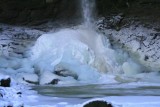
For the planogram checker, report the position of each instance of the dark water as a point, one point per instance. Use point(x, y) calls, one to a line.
point(92, 91)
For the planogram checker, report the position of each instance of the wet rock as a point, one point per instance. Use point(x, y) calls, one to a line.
point(48, 77)
point(54, 81)
point(98, 104)
point(156, 36)
point(1, 95)
point(66, 73)
point(111, 22)
point(9, 106)
point(30, 81)
point(5, 82)
point(146, 57)
point(19, 92)
point(61, 71)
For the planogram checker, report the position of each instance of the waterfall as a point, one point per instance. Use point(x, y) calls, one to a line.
point(81, 52)
point(87, 11)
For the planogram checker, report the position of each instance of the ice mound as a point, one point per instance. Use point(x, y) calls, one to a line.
point(80, 51)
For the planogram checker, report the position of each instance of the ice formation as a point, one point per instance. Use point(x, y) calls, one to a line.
point(83, 52)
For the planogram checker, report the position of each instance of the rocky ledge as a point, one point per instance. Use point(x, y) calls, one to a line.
point(139, 39)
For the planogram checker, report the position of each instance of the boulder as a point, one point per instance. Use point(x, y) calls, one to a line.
point(5, 82)
point(98, 104)
point(66, 73)
point(54, 81)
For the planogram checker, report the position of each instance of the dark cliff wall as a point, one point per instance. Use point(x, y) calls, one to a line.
point(142, 9)
point(27, 11)
point(32, 11)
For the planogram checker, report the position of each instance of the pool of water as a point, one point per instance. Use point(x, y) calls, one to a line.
point(98, 90)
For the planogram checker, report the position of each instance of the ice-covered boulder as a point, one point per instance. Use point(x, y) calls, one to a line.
point(82, 52)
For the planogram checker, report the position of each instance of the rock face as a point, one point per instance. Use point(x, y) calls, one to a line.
point(24, 12)
point(134, 26)
point(140, 39)
point(131, 8)
point(39, 11)
point(98, 104)
point(16, 40)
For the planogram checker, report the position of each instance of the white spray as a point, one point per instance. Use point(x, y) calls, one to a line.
point(88, 6)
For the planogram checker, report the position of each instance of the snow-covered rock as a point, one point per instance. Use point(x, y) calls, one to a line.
point(47, 78)
point(15, 41)
point(140, 41)
point(26, 78)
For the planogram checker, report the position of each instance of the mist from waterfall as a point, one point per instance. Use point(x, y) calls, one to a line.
point(81, 51)
point(88, 7)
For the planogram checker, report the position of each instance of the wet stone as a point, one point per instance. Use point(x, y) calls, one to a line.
point(5, 82)
point(146, 58)
point(98, 104)
point(19, 92)
point(54, 81)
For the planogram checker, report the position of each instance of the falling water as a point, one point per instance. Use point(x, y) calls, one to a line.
point(87, 11)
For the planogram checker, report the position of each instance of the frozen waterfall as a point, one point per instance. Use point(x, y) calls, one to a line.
point(81, 52)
